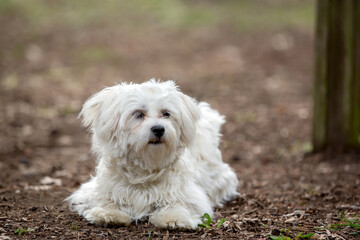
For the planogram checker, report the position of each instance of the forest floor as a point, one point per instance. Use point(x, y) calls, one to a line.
point(260, 80)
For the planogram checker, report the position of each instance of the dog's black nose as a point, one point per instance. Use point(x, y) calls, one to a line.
point(158, 130)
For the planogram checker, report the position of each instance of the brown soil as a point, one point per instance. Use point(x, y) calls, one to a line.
point(261, 82)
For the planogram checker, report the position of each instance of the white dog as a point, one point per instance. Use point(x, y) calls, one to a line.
point(157, 157)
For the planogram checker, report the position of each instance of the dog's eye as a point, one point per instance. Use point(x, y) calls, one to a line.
point(139, 115)
point(166, 114)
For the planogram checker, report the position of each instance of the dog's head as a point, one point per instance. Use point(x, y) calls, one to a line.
point(148, 124)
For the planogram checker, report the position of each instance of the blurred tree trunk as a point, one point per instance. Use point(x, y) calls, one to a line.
point(336, 124)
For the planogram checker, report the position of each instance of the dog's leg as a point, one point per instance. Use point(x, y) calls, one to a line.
point(109, 214)
point(175, 216)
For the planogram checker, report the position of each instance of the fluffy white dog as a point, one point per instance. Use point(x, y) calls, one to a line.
point(157, 157)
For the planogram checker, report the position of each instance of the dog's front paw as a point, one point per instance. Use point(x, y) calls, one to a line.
point(105, 216)
point(175, 217)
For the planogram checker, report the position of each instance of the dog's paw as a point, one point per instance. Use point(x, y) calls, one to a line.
point(105, 216)
point(175, 217)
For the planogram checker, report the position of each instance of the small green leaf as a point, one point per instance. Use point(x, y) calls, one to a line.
point(206, 221)
point(305, 236)
point(20, 231)
point(281, 237)
point(202, 225)
point(274, 237)
point(220, 222)
point(354, 225)
point(206, 218)
point(149, 237)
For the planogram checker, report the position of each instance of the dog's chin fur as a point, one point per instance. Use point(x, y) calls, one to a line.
point(172, 180)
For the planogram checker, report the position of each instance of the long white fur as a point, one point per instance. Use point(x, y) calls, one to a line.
point(173, 183)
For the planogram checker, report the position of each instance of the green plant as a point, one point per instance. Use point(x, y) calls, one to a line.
point(74, 227)
point(353, 224)
point(281, 237)
point(306, 236)
point(19, 231)
point(207, 221)
point(220, 222)
point(149, 236)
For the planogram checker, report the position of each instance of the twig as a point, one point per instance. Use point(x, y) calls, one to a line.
point(5, 205)
point(249, 212)
point(231, 211)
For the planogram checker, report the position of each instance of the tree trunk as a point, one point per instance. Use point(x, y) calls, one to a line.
point(336, 124)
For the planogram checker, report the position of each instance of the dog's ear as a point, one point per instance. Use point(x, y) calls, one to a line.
point(190, 114)
point(93, 107)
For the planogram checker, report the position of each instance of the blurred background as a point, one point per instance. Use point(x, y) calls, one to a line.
point(251, 59)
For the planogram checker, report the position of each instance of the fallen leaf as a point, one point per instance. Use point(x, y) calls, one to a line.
point(50, 181)
point(292, 219)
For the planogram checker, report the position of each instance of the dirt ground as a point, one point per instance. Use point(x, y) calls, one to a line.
point(261, 82)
